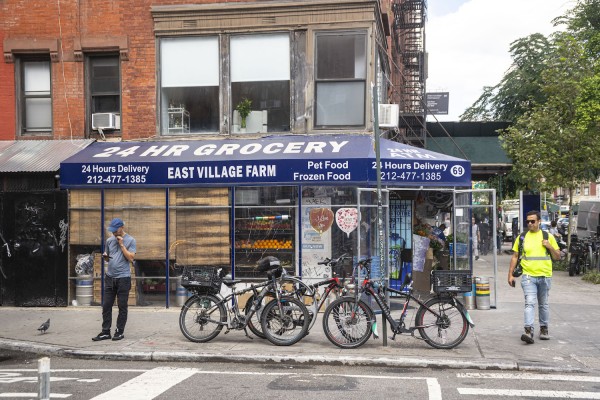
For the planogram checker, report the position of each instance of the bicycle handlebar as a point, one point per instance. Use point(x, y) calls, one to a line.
point(333, 262)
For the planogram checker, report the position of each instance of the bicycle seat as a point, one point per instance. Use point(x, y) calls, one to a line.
point(231, 282)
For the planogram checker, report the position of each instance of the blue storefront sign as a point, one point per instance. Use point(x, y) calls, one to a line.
point(273, 160)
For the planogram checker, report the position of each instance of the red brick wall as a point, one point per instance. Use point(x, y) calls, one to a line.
point(7, 96)
point(80, 19)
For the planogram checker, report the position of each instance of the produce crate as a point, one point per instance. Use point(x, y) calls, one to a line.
point(451, 281)
point(155, 288)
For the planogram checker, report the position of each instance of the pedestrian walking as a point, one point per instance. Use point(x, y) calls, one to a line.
point(538, 251)
point(485, 236)
point(119, 253)
point(500, 230)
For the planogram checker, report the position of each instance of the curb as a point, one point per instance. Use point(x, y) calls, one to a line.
point(178, 356)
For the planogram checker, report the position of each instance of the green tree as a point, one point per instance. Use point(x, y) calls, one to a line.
point(551, 94)
point(520, 87)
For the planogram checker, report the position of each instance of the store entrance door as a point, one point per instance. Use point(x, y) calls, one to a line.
point(475, 233)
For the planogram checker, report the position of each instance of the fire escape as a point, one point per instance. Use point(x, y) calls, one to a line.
point(409, 80)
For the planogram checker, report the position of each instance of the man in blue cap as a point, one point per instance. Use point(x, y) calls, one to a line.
point(119, 253)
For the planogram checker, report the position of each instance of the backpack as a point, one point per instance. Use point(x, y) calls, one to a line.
point(522, 239)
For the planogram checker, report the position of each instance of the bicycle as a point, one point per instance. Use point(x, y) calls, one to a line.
point(442, 321)
point(581, 252)
point(284, 321)
point(306, 293)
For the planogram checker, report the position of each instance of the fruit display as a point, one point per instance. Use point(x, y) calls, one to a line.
point(262, 244)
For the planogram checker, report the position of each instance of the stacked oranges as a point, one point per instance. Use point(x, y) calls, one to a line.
point(272, 244)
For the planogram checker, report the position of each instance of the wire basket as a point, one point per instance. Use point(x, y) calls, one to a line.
point(205, 279)
point(451, 281)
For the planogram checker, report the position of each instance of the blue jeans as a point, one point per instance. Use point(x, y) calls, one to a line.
point(119, 288)
point(536, 289)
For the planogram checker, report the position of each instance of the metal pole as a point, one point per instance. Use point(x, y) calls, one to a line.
point(44, 378)
point(380, 225)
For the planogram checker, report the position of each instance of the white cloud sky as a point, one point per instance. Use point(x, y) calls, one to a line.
point(468, 43)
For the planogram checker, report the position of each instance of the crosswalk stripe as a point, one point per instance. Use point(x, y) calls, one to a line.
point(528, 376)
point(33, 395)
point(149, 384)
point(547, 394)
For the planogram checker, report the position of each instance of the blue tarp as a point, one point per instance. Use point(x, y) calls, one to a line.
point(272, 160)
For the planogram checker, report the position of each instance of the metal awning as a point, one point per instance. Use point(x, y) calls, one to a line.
point(37, 155)
point(273, 160)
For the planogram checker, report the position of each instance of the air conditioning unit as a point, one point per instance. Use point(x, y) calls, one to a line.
point(389, 115)
point(106, 121)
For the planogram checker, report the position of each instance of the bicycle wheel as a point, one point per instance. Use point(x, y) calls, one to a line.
point(348, 324)
point(442, 324)
point(202, 317)
point(287, 328)
point(254, 322)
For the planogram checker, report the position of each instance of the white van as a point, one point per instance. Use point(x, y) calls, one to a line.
point(587, 217)
point(508, 219)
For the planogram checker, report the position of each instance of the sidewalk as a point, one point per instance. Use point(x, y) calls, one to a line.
point(494, 343)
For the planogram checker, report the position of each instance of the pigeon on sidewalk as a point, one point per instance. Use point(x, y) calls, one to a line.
point(44, 327)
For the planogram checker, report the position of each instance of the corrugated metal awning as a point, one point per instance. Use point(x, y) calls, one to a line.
point(37, 155)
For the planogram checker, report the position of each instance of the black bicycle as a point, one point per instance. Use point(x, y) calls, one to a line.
point(442, 321)
point(284, 320)
point(308, 294)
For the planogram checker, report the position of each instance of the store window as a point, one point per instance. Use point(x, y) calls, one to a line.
point(265, 225)
point(340, 79)
point(34, 96)
point(104, 90)
point(189, 85)
point(260, 72)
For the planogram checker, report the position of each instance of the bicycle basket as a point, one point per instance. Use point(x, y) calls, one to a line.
point(202, 278)
point(451, 281)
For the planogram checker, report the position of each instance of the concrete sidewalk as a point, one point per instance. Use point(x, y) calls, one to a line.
point(494, 343)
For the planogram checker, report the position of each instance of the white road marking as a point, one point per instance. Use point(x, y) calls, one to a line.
point(526, 376)
point(33, 395)
point(149, 384)
point(172, 376)
point(547, 394)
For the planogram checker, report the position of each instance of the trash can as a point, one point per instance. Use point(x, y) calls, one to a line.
point(469, 299)
point(181, 293)
point(84, 290)
point(482, 292)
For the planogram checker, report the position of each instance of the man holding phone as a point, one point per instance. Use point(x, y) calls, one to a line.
point(119, 253)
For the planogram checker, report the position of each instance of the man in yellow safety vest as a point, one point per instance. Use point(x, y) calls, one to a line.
point(538, 251)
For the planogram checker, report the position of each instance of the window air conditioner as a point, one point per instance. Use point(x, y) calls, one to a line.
point(389, 115)
point(106, 121)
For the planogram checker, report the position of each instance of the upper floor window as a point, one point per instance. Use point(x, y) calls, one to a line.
point(340, 79)
point(194, 89)
point(260, 72)
point(189, 95)
point(104, 88)
point(104, 85)
point(34, 96)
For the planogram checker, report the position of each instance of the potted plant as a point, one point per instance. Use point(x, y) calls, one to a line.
point(244, 108)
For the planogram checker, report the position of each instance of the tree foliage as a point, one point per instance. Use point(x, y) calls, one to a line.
point(551, 94)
